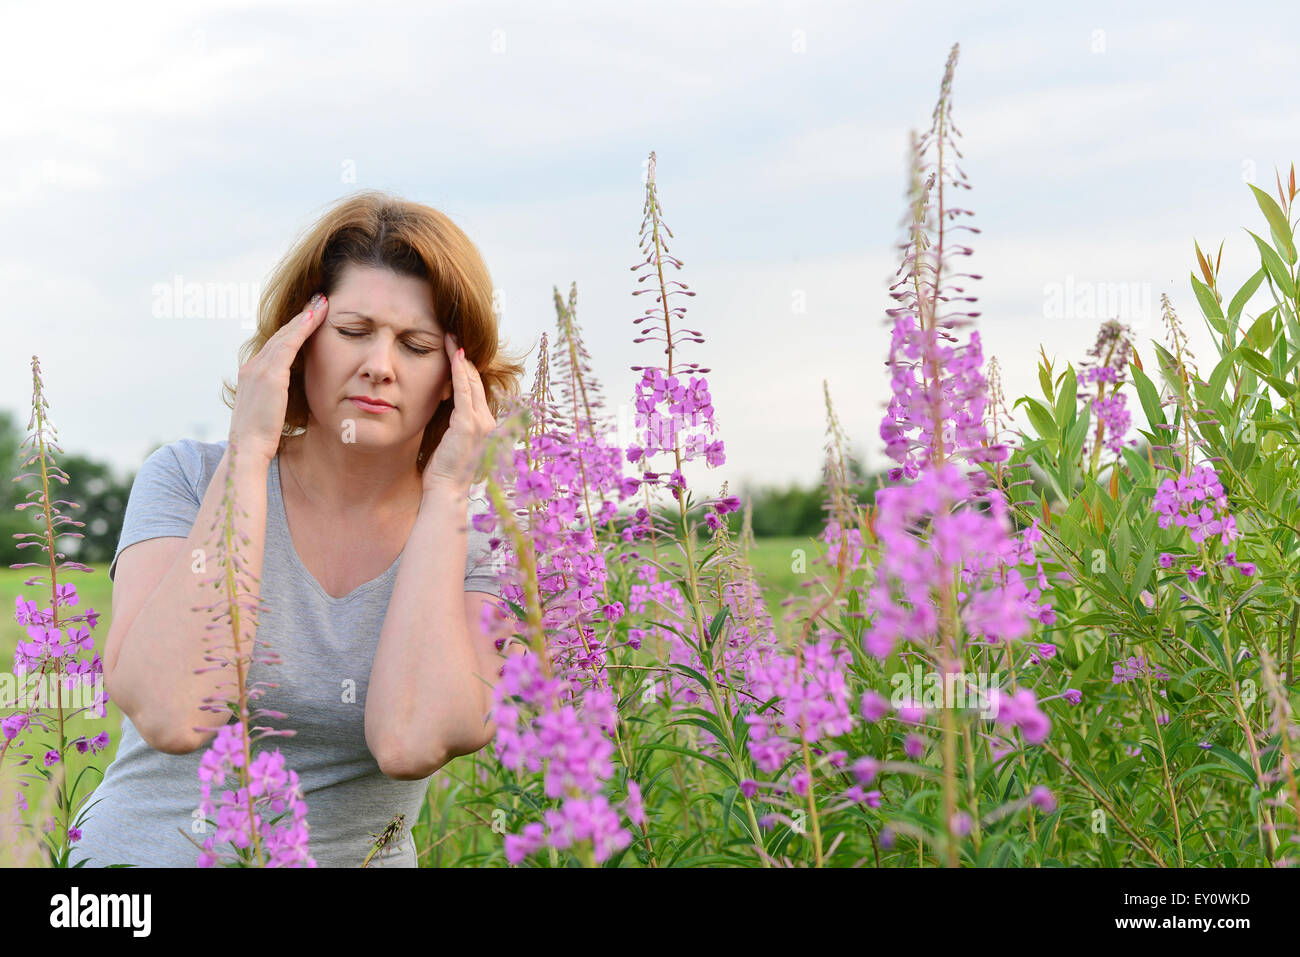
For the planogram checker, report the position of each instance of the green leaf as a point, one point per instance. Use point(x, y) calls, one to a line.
point(1256, 361)
point(1209, 305)
point(1089, 666)
point(1219, 377)
point(1277, 270)
point(1245, 771)
point(1261, 334)
point(1045, 380)
point(715, 626)
point(1067, 400)
point(1040, 418)
point(1143, 573)
point(1148, 395)
point(1277, 223)
point(695, 754)
point(1139, 466)
point(1078, 431)
point(1244, 293)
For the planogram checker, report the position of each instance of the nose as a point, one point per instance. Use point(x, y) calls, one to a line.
point(378, 366)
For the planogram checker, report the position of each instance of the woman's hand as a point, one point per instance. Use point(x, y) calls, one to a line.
point(457, 455)
point(262, 395)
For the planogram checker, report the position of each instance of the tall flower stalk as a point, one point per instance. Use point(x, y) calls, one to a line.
point(252, 817)
point(54, 654)
point(934, 544)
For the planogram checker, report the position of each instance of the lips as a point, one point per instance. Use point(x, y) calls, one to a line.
point(372, 401)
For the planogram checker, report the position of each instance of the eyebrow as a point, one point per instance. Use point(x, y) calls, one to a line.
point(372, 321)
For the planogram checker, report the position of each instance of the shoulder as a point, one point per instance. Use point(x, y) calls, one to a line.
point(185, 463)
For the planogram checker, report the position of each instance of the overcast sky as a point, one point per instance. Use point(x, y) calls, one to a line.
point(150, 143)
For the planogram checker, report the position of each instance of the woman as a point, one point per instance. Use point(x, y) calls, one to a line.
point(353, 517)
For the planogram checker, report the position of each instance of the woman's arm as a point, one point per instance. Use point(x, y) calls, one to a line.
point(149, 668)
point(432, 678)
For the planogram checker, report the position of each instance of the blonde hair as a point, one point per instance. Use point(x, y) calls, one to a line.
point(374, 228)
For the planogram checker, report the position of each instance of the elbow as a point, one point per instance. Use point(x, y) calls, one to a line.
point(164, 733)
point(171, 736)
point(402, 764)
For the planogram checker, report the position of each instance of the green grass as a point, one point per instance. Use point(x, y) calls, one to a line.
point(776, 562)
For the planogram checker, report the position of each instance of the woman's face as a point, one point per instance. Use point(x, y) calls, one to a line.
point(380, 338)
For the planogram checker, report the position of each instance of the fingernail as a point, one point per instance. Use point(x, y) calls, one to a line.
point(316, 302)
point(461, 353)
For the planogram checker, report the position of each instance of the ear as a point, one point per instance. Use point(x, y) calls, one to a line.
point(446, 392)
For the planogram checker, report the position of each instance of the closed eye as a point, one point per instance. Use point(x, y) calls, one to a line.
point(356, 335)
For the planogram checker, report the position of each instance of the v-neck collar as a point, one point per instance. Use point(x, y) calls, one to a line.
point(277, 501)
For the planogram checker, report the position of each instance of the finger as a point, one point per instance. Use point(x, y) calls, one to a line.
point(460, 382)
point(477, 394)
point(290, 337)
point(463, 369)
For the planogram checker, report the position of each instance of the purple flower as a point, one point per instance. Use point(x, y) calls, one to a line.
point(914, 746)
point(51, 758)
point(272, 791)
point(1136, 667)
point(12, 724)
point(874, 706)
point(1186, 501)
point(813, 698)
point(1041, 797)
point(519, 846)
point(1165, 560)
point(633, 807)
point(864, 770)
point(1021, 710)
point(1072, 695)
point(729, 504)
point(918, 562)
point(909, 712)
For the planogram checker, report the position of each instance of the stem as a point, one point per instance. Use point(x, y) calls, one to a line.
point(1164, 762)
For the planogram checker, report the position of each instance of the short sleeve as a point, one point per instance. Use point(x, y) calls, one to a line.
point(482, 562)
point(164, 500)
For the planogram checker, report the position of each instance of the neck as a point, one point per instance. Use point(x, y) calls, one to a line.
point(341, 478)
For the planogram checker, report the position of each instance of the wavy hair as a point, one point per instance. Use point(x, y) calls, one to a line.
point(374, 228)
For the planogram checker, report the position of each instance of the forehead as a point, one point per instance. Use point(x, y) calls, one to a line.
point(382, 297)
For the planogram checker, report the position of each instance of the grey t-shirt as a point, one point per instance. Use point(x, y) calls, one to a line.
point(148, 800)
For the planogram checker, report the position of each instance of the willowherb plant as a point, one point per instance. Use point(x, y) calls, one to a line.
point(555, 707)
point(251, 819)
point(55, 680)
point(1107, 368)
